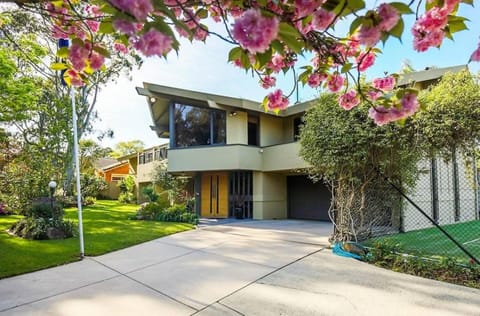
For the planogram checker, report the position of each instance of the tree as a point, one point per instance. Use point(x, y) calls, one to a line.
point(352, 155)
point(127, 147)
point(347, 151)
point(89, 152)
point(27, 37)
point(267, 37)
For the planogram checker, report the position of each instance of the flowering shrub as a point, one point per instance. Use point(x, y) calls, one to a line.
point(267, 36)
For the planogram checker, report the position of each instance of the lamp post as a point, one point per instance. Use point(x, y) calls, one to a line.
point(52, 185)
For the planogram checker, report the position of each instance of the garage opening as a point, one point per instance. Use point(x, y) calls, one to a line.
point(307, 200)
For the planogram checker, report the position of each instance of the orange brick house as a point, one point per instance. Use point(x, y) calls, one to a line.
point(112, 171)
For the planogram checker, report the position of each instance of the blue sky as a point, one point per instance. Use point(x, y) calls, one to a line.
point(204, 67)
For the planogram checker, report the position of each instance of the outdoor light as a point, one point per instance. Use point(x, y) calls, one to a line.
point(233, 113)
point(52, 185)
point(152, 99)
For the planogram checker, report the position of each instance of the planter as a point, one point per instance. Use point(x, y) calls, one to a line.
point(238, 213)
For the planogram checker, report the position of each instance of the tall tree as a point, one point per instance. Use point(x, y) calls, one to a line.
point(127, 148)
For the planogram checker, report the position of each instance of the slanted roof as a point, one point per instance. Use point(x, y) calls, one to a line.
point(428, 74)
point(101, 163)
point(160, 97)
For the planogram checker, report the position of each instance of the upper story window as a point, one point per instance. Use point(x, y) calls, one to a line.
point(297, 125)
point(148, 157)
point(196, 126)
point(141, 158)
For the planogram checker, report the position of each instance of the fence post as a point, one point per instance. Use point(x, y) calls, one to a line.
point(434, 189)
point(456, 192)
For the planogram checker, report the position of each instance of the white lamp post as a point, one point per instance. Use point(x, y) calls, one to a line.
point(52, 185)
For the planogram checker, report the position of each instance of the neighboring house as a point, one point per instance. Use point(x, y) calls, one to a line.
point(238, 156)
point(112, 171)
point(143, 165)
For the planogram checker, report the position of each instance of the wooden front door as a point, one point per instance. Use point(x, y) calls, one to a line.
point(214, 195)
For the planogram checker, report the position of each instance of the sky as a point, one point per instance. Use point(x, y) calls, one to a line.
point(203, 67)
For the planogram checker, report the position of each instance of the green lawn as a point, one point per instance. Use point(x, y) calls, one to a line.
point(106, 228)
point(431, 241)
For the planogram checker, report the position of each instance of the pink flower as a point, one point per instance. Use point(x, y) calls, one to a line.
point(476, 54)
point(153, 43)
point(119, 47)
point(349, 100)
point(315, 79)
point(380, 115)
point(365, 60)
point(77, 56)
point(138, 8)
point(410, 104)
point(384, 84)
point(373, 95)
point(277, 101)
point(255, 32)
point(322, 19)
point(335, 82)
point(424, 40)
point(389, 17)
point(93, 25)
point(305, 7)
point(268, 82)
point(369, 35)
point(75, 79)
point(96, 61)
point(277, 63)
point(126, 27)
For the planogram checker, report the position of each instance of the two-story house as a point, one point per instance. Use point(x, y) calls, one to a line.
point(237, 155)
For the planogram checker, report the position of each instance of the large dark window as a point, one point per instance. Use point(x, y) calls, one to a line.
point(297, 125)
point(196, 126)
point(253, 130)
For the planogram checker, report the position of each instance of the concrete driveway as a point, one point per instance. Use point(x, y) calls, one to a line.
point(239, 268)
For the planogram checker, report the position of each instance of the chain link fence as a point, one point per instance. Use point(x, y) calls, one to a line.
point(438, 217)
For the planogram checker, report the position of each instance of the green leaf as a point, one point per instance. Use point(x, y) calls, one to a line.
point(346, 68)
point(106, 27)
point(264, 58)
point(235, 53)
point(277, 47)
point(245, 60)
point(355, 5)
point(470, 2)
point(457, 26)
point(102, 51)
point(397, 30)
point(356, 24)
point(202, 13)
point(290, 36)
point(62, 52)
point(303, 77)
point(401, 7)
point(58, 66)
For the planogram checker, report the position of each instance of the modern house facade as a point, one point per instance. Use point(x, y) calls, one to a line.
point(242, 158)
point(238, 156)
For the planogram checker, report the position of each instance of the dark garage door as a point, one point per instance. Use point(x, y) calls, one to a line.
point(307, 200)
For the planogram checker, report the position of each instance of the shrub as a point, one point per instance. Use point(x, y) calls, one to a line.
point(45, 208)
point(3, 209)
point(150, 194)
point(92, 185)
point(39, 228)
point(126, 197)
point(89, 200)
point(161, 211)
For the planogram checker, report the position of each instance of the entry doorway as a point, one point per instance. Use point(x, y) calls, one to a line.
point(214, 195)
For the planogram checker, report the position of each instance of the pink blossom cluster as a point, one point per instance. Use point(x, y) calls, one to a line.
point(153, 43)
point(349, 100)
point(140, 9)
point(81, 56)
point(365, 60)
point(370, 34)
point(335, 82)
point(268, 82)
point(255, 32)
point(384, 84)
point(408, 106)
point(476, 54)
point(277, 101)
point(429, 30)
point(315, 79)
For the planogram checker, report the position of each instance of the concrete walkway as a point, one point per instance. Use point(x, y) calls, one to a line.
point(238, 268)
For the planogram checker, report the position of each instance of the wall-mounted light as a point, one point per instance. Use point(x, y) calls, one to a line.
point(233, 113)
point(152, 99)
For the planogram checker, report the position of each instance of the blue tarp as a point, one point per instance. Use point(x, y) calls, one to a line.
point(338, 250)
